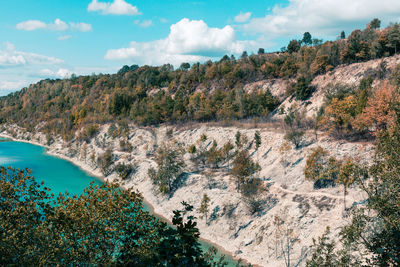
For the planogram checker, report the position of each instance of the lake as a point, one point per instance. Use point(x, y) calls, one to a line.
point(58, 174)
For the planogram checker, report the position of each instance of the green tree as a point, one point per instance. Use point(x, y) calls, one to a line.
point(342, 35)
point(184, 66)
point(243, 168)
point(307, 39)
point(293, 46)
point(214, 155)
point(105, 161)
point(104, 226)
point(226, 152)
point(192, 149)
point(204, 206)
point(257, 140)
point(303, 88)
point(238, 138)
point(394, 38)
point(170, 166)
point(375, 24)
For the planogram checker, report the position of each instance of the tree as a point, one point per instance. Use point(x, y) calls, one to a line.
point(184, 66)
point(192, 149)
point(303, 88)
point(257, 140)
point(375, 24)
point(293, 46)
point(261, 51)
point(238, 138)
point(374, 231)
point(307, 39)
point(346, 177)
point(124, 171)
point(104, 226)
point(295, 136)
point(293, 122)
point(394, 38)
point(204, 206)
point(226, 152)
point(325, 254)
point(285, 239)
point(243, 168)
point(342, 35)
point(105, 161)
point(378, 113)
point(214, 156)
point(170, 165)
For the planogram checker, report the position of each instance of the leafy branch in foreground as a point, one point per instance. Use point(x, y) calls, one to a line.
point(104, 226)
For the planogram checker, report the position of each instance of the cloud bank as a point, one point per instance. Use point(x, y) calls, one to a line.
point(322, 17)
point(188, 40)
point(57, 25)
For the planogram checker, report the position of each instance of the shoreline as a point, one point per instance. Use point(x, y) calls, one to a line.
point(87, 169)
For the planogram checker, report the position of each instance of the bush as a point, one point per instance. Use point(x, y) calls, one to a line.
point(303, 88)
point(192, 149)
point(124, 171)
point(105, 161)
point(295, 136)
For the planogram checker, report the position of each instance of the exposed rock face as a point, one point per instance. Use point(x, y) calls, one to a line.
point(230, 224)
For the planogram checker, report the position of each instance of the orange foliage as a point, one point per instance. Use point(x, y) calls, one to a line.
point(339, 115)
point(378, 114)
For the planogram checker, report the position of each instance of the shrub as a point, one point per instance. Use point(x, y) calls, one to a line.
point(303, 88)
point(295, 136)
point(89, 132)
point(105, 161)
point(124, 171)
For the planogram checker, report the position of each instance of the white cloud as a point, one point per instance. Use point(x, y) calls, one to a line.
point(57, 73)
point(57, 25)
point(322, 17)
point(64, 37)
point(9, 86)
point(163, 20)
point(31, 25)
point(82, 27)
point(243, 17)
point(11, 57)
point(19, 69)
point(118, 7)
point(144, 24)
point(188, 40)
point(64, 73)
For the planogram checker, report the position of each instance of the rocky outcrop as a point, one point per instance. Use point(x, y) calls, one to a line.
point(254, 237)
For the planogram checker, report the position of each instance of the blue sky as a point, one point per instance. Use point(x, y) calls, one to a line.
point(54, 38)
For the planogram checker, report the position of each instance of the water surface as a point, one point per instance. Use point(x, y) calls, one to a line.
point(58, 174)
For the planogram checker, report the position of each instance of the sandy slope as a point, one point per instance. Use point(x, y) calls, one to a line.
point(231, 226)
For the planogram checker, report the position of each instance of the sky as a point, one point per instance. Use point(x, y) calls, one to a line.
point(42, 39)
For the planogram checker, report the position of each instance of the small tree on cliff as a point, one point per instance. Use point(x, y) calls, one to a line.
point(170, 165)
point(243, 168)
point(204, 206)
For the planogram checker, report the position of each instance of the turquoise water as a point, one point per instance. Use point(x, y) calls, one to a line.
point(58, 174)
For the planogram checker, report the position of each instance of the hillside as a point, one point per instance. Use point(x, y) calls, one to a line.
point(226, 90)
point(334, 97)
point(232, 225)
